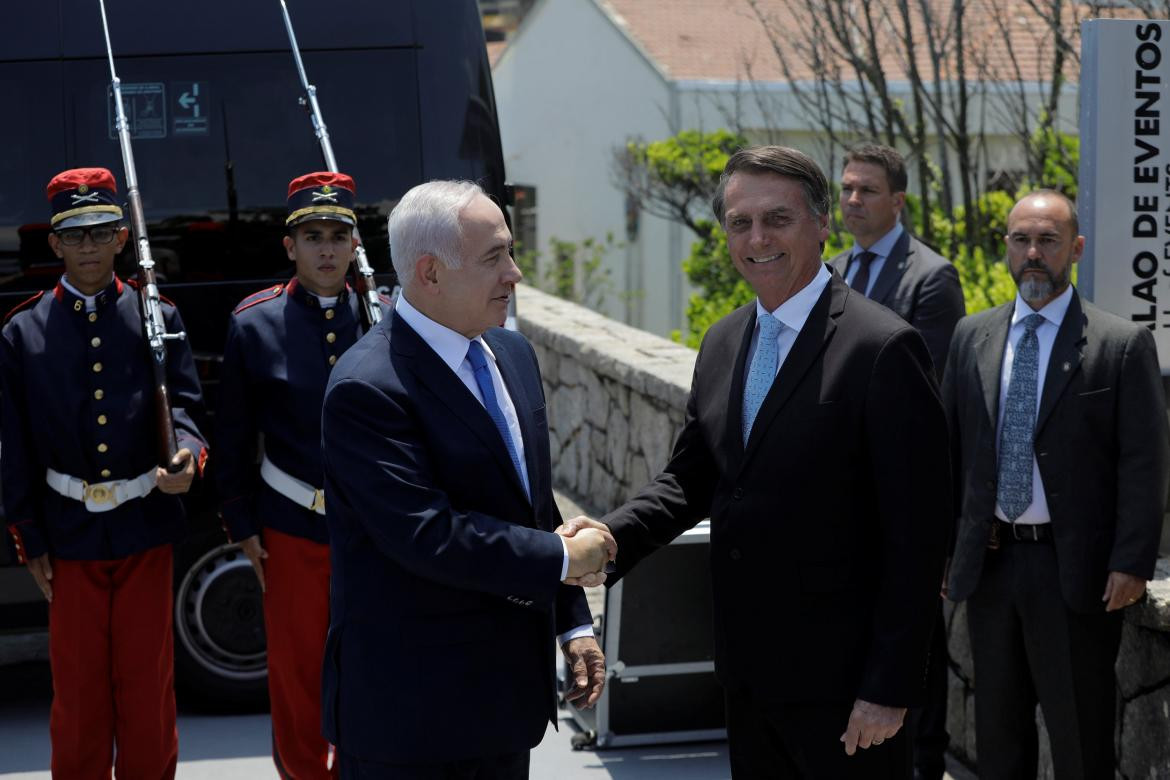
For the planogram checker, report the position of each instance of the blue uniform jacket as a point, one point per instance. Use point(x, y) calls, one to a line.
point(78, 397)
point(281, 346)
point(445, 592)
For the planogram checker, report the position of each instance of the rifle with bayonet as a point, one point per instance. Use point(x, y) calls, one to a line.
point(367, 288)
point(153, 324)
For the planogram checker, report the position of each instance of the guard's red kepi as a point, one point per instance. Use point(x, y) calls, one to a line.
point(321, 195)
point(83, 196)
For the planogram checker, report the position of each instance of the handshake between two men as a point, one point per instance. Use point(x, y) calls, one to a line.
point(591, 549)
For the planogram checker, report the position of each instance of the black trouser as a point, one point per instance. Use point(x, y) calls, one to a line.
point(803, 742)
point(929, 722)
point(509, 766)
point(1029, 647)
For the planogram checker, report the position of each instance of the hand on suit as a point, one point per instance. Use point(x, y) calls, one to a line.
point(870, 725)
point(252, 548)
point(1122, 590)
point(42, 571)
point(586, 560)
point(587, 663)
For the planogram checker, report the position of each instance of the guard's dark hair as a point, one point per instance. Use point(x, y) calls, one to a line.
point(886, 158)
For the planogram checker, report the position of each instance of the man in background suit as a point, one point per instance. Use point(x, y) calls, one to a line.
point(447, 581)
point(1061, 455)
point(810, 409)
point(888, 265)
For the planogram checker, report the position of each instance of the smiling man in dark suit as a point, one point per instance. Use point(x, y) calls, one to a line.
point(815, 440)
point(888, 265)
point(447, 581)
point(1062, 456)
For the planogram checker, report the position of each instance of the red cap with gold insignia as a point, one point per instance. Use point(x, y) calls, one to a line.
point(83, 196)
point(321, 195)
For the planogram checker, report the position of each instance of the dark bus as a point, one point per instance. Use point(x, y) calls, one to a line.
point(211, 92)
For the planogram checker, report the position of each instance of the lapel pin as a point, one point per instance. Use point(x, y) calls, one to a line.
point(1067, 365)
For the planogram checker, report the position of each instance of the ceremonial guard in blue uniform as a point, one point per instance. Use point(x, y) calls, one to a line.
point(282, 343)
point(90, 511)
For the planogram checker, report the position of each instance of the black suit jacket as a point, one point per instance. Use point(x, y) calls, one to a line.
point(445, 590)
point(1101, 443)
point(828, 529)
point(920, 286)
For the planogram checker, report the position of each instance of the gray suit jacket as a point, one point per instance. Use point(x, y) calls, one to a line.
point(1101, 441)
point(920, 286)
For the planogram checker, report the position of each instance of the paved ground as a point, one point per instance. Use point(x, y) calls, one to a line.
point(236, 747)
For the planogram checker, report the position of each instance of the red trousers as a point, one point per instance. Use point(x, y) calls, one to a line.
point(296, 619)
point(111, 652)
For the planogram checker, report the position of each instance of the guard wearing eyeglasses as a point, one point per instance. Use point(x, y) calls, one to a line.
point(282, 343)
point(89, 509)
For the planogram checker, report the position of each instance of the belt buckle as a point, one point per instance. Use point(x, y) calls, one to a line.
point(1035, 535)
point(98, 494)
point(318, 504)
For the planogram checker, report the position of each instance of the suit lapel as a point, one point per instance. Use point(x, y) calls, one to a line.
point(989, 358)
point(810, 342)
point(1067, 352)
point(431, 371)
point(893, 269)
point(735, 399)
point(510, 372)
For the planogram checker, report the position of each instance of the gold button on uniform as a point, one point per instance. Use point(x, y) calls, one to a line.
point(101, 419)
point(329, 314)
point(95, 342)
point(332, 359)
point(93, 316)
point(102, 447)
point(99, 394)
point(106, 473)
point(97, 368)
point(77, 306)
point(331, 337)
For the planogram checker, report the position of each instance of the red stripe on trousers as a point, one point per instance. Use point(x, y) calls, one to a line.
point(111, 652)
point(296, 619)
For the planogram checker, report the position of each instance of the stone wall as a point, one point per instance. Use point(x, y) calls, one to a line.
point(616, 397)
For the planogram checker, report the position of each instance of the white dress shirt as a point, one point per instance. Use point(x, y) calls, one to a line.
point(881, 248)
point(793, 313)
point(1053, 314)
point(451, 347)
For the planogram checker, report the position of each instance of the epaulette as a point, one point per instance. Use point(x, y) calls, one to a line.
point(267, 294)
point(25, 304)
point(134, 285)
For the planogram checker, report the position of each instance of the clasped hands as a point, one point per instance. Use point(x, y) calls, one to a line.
point(591, 546)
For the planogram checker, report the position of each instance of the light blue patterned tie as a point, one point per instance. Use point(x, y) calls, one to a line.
point(762, 372)
point(483, 378)
point(1014, 493)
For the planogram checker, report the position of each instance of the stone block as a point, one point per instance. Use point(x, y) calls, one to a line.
point(1145, 736)
point(617, 441)
point(1144, 660)
point(639, 472)
point(596, 400)
point(565, 466)
point(566, 410)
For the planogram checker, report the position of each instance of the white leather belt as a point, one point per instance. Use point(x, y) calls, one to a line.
point(101, 496)
point(301, 493)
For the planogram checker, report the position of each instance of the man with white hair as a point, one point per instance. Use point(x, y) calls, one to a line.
point(448, 583)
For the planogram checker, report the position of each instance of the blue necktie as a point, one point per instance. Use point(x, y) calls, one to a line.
point(483, 378)
point(1014, 492)
point(762, 372)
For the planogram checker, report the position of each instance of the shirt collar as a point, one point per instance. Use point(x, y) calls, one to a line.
point(794, 311)
point(1053, 311)
point(449, 345)
point(112, 290)
point(884, 245)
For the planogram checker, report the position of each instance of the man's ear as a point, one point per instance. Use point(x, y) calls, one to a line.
point(426, 273)
point(290, 248)
point(55, 245)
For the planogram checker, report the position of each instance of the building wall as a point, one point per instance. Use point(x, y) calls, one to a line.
point(570, 88)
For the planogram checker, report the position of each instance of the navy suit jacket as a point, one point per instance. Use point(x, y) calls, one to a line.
point(446, 594)
point(920, 286)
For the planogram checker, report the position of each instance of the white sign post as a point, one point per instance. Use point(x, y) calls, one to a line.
point(1123, 199)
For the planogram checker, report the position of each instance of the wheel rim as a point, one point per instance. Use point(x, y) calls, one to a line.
point(219, 615)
